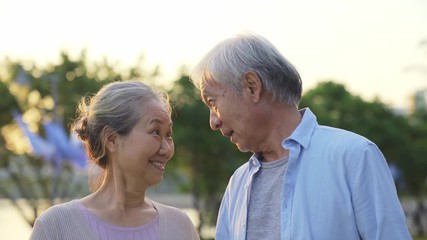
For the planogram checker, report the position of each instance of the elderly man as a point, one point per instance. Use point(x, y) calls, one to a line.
point(304, 180)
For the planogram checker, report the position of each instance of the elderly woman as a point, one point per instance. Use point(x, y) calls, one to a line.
point(127, 131)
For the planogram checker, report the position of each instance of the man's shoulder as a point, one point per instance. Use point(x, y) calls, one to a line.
point(243, 167)
point(340, 135)
point(240, 174)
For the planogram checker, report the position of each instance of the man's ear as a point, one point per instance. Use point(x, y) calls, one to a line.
point(253, 86)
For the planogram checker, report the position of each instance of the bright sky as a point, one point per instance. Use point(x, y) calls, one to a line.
point(366, 45)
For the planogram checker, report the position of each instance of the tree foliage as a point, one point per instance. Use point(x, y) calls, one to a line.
point(335, 106)
point(203, 156)
point(402, 139)
point(210, 159)
point(41, 94)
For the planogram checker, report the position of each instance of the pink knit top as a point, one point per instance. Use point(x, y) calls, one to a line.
point(106, 231)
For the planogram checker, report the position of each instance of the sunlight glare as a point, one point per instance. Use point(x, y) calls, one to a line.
point(34, 98)
point(15, 139)
point(70, 76)
point(32, 116)
point(48, 103)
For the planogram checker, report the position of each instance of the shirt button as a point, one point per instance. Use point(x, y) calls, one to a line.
point(254, 162)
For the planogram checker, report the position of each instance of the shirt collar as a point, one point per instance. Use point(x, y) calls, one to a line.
point(302, 134)
point(254, 161)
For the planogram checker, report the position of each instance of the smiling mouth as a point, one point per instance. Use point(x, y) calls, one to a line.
point(159, 165)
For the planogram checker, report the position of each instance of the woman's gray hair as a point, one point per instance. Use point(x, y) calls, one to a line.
point(230, 60)
point(115, 108)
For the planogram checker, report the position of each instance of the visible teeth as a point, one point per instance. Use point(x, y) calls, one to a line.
point(157, 164)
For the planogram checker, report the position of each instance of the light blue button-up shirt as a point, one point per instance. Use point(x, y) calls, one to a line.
point(337, 186)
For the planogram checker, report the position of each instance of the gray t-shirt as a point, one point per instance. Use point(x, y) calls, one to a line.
point(263, 221)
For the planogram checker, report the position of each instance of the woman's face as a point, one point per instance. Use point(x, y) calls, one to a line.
point(143, 153)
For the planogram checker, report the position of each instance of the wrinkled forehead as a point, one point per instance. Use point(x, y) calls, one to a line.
point(205, 78)
point(157, 107)
point(207, 86)
point(212, 88)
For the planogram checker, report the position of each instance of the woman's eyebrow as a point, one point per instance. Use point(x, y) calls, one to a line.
point(158, 121)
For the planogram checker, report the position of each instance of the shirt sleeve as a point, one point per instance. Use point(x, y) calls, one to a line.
point(39, 231)
point(378, 212)
point(222, 225)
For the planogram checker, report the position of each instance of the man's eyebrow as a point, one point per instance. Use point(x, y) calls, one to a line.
point(204, 94)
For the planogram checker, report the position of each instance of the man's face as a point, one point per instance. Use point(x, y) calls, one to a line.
point(230, 113)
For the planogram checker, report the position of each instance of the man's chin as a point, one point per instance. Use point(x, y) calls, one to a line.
point(242, 148)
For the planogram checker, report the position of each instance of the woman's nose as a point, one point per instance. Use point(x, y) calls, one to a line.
point(167, 147)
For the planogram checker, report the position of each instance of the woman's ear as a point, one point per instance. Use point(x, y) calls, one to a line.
point(110, 139)
point(253, 86)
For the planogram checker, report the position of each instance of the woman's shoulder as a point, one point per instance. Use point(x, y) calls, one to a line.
point(169, 213)
point(63, 206)
point(62, 221)
point(167, 209)
point(175, 223)
point(60, 211)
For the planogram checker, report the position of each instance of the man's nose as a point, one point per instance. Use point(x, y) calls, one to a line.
point(214, 120)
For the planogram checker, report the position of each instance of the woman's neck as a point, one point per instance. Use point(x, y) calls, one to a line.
point(120, 191)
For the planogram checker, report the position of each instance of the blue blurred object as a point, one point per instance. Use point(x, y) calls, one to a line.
point(397, 176)
point(57, 147)
point(66, 147)
point(395, 172)
point(22, 78)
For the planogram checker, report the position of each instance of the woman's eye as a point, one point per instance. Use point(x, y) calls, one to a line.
point(156, 132)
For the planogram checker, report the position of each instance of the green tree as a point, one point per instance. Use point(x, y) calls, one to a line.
point(47, 93)
point(402, 139)
point(208, 157)
point(335, 106)
point(415, 168)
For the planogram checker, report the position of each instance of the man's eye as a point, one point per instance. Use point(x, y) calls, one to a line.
point(156, 132)
point(212, 105)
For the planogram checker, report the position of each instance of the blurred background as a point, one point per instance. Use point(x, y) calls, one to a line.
point(363, 65)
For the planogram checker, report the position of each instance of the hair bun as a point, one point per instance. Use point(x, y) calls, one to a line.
point(83, 132)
